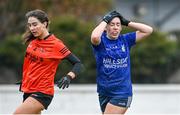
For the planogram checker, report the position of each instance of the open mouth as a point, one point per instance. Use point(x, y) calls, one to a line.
point(34, 33)
point(114, 33)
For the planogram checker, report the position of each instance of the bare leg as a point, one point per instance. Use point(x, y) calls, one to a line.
point(29, 106)
point(112, 109)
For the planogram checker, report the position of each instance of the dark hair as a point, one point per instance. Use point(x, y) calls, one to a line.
point(41, 16)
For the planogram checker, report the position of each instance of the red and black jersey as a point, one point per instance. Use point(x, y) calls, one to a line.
point(41, 61)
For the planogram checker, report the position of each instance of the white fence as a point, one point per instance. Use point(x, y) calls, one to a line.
point(83, 99)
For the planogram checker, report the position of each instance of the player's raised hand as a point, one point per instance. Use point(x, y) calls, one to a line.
point(109, 16)
point(124, 21)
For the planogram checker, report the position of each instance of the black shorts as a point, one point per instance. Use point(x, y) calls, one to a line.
point(117, 101)
point(44, 99)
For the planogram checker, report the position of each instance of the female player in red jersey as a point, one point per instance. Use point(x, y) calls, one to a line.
point(43, 54)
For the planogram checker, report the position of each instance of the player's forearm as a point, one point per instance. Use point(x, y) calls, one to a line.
point(97, 32)
point(77, 68)
point(77, 65)
point(141, 27)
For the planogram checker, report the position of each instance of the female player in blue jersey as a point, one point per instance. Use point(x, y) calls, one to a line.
point(112, 53)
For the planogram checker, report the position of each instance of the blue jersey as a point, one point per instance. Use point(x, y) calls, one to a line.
point(113, 65)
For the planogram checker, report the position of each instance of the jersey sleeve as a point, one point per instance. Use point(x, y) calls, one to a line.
point(130, 38)
point(60, 50)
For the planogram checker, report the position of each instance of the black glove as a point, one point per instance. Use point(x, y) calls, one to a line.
point(124, 21)
point(64, 82)
point(109, 16)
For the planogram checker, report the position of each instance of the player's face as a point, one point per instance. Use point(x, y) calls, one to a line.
point(36, 27)
point(114, 28)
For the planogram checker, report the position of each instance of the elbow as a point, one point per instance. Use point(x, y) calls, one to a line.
point(150, 31)
point(95, 39)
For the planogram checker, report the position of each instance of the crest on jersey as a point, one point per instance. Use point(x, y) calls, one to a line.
point(123, 48)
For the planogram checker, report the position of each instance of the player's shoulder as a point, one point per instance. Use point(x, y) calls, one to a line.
point(58, 42)
point(56, 39)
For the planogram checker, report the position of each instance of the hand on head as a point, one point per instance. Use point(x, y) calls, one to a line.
point(109, 16)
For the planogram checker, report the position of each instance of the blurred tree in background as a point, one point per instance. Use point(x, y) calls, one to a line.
point(71, 20)
point(12, 11)
point(76, 34)
point(153, 60)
